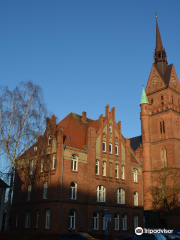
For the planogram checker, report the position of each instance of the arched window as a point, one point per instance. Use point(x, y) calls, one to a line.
point(110, 128)
point(45, 190)
point(72, 219)
point(120, 196)
point(29, 193)
point(49, 140)
point(97, 167)
point(124, 222)
point(117, 171)
point(95, 221)
point(54, 161)
point(104, 222)
point(135, 175)
point(101, 194)
point(104, 169)
point(47, 224)
point(135, 221)
point(135, 198)
point(74, 163)
point(164, 157)
point(73, 191)
point(116, 221)
point(123, 172)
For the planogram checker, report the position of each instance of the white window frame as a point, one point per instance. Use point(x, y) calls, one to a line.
point(135, 198)
point(37, 219)
point(42, 165)
point(110, 128)
point(101, 193)
point(104, 169)
point(73, 191)
point(135, 221)
point(123, 172)
point(116, 221)
point(45, 190)
point(124, 222)
point(97, 167)
point(72, 220)
point(29, 193)
point(27, 219)
point(31, 167)
point(120, 196)
point(35, 148)
point(104, 222)
point(54, 161)
point(110, 148)
point(74, 166)
point(104, 146)
point(116, 149)
point(47, 224)
point(117, 171)
point(135, 175)
point(95, 221)
point(16, 220)
point(49, 140)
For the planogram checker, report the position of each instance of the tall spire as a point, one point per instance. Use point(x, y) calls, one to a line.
point(144, 98)
point(160, 57)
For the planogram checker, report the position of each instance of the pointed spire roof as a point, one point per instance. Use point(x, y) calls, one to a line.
point(144, 98)
point(159, 45)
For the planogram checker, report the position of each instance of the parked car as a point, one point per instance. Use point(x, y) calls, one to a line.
point(146, 236)
point(77, 236)
point(170, 236)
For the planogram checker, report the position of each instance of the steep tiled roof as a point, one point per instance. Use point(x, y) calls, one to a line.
point(135, 142)
point(166, 76)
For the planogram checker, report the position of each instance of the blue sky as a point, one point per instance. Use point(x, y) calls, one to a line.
point(86, 54)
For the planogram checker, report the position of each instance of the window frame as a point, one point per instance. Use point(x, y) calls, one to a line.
point(135, 175)
point(72, 219)
point(101, 193)
point(104, 146)
point(104, 169)
point(74, 163)
point(97, 167)
point(104, 222)
point(54, 161)
point(123, 172)
point(120, 196)
point(47, 222)
point(45, 190)
point(96, 221)
point(116, 150)
point(73, 191)
point(42, 164)
point(110, 128)
point(49, 140)
point(135, 221)
point(124, 221)
point(28, 219)
point(110, 148)
point(116, 221)
point(135, 198)
point(117, 171)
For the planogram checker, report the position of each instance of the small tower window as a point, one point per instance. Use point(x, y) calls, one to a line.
point(163, 127)
point(160, 127)
point(49, 140)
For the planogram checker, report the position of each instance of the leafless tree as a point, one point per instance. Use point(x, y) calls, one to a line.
point(22, 120)
point(165, 191)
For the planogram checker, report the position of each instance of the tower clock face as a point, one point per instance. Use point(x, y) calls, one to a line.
point(173, 81)
point(155, 80)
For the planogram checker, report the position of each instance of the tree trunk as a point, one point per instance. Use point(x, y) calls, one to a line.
point(8, 207)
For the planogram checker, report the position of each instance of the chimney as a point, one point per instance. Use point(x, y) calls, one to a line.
point(84, 118)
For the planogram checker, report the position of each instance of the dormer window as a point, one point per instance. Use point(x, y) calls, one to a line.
point(49, 140)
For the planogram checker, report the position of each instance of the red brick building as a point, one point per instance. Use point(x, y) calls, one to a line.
point(79, 168)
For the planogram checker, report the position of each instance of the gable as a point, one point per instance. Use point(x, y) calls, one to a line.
point(173, 80)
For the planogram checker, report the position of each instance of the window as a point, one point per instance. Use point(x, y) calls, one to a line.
point(122, 172)
point(116, 221)
point(135, 199)
point(104, 222)
point(164, 157)
point(160, 127)
point(48, 163)
point(162, 98)
point(151, 100)
point(47, 224)
point(104, 169)
point(45, 190)
point(49, 140)
point(95, 221)
point(120, 196)
point(74, 163)
point(124, 222)
point(73, 190)
point(72, 219)
point(163, 127)
point(104, 147)
point(101, 194)
point(97, 167)
point(110, 169)
point(27, 219)
point(110, 128)
point(31, 167)
point(135, 175)
point(29, 193)
point(135, 221)
point(54, 161)
point(116, 149)
point(117, 171)
point(35, 148)
point(110, 148)
point(42, 165)
point(16, 220)
point(37, 219)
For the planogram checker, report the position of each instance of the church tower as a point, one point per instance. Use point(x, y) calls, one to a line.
point(160, 119)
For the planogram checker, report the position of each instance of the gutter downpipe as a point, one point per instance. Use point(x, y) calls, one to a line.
point(64, 146)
